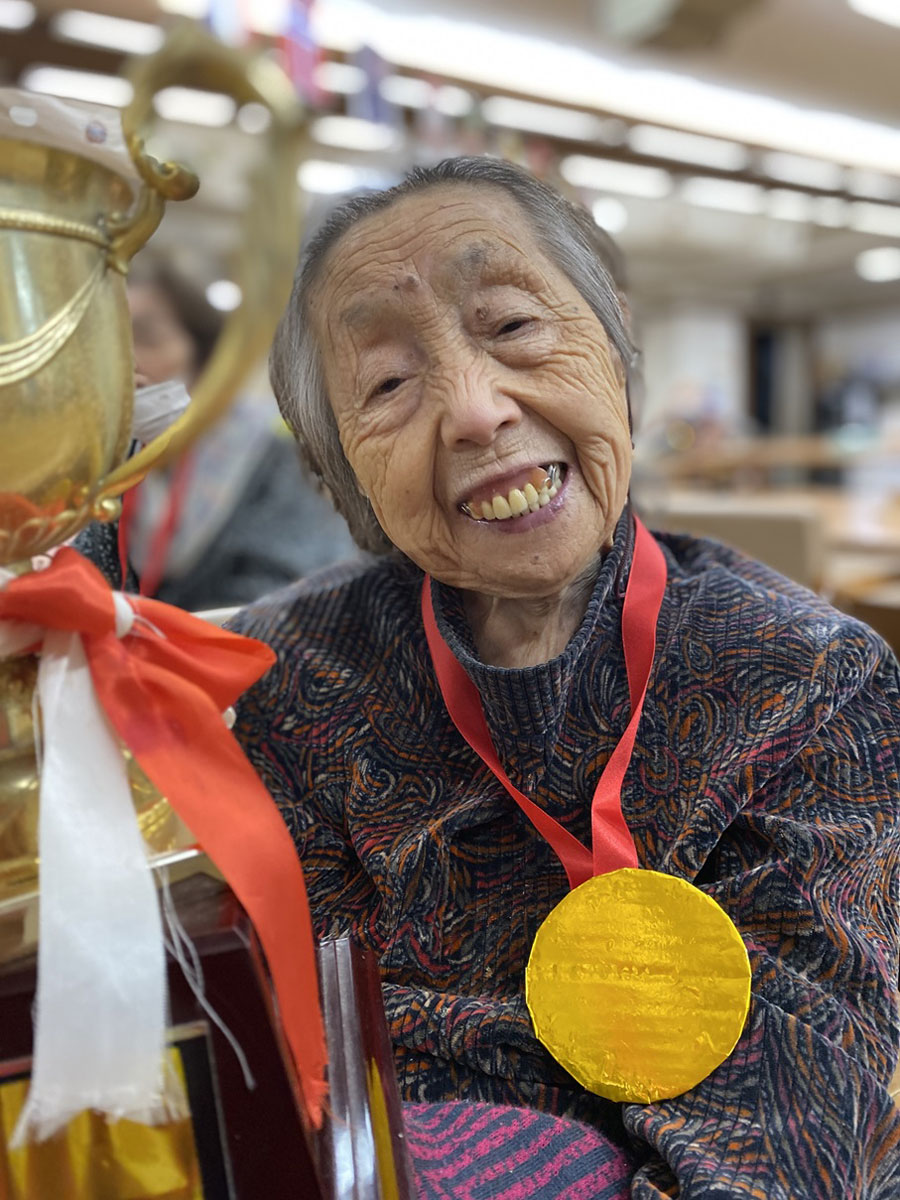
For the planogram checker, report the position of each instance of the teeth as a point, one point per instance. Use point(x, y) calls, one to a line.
point(517, 503)
point(543, 485)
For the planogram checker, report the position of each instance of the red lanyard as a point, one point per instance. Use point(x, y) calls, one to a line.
point(162, 534)
point(613, 845)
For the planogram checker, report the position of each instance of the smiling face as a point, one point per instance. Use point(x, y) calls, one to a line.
point(470, 380)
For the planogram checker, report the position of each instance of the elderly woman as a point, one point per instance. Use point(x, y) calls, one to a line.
point(454, 364)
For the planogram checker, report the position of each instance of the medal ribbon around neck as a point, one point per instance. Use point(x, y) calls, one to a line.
point(638, 983)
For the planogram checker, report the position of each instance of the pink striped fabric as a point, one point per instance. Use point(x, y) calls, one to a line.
point(465, 1151)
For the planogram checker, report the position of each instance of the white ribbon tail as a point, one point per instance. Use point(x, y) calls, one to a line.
point(100, 1021)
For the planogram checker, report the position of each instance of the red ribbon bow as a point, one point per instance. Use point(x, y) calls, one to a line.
point(164, 688)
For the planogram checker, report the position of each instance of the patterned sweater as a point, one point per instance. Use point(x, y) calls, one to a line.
point(766, 771)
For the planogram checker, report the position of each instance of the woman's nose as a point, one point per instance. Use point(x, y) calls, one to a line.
point(475, 407)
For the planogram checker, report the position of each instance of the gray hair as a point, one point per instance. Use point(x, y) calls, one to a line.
point(565, 232)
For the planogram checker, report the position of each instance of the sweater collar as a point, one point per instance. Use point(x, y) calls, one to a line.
point(525, 706)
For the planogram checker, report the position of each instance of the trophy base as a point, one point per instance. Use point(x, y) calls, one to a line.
point(238, 1143)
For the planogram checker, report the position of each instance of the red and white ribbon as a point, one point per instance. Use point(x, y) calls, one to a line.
point(122, 668)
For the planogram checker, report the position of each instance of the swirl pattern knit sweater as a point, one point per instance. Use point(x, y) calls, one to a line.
point(766, 771)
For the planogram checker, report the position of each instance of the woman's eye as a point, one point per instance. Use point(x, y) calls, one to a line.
point(387, 386)
point(513, 325)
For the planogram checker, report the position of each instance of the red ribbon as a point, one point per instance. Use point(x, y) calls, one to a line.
point(164, 696)
point(611, 840)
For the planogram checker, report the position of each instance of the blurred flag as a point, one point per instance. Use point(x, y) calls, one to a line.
point(369, 104)
point(299, 52)
point(287, 22)
point(434, 129)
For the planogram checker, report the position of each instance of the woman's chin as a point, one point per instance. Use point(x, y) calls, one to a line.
point(526, 577)
point(548, 562)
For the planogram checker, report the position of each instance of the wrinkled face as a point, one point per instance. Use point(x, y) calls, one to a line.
point(476, 394)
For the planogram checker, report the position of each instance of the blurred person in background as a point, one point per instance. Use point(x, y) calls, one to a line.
point(236, 516)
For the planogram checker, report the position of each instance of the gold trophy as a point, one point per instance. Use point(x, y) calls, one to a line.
point(78, 198)
point(70, 221)
point(69, 225)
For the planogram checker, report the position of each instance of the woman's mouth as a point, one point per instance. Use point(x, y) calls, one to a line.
point(535, 491)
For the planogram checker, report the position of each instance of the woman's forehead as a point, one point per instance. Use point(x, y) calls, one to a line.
point(460, 228)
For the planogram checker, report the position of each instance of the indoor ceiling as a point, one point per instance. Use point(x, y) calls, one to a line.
point(819, 52)
point(762, 249)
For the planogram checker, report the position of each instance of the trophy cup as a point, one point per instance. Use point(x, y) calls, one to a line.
point(78, 197)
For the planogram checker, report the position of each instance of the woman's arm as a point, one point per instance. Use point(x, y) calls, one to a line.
point(809, 873)
point(341, 894)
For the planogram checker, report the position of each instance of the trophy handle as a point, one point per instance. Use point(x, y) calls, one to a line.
point(163, 181)
point(271, 234)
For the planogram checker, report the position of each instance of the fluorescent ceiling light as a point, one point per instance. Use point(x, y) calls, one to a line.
point(728, 194)
point(224, 294)
point(887, 11)
point(16, 14)
point(574, 76)
point(408, 91)
point(333, 28)
point(194, 107)
point(787, 205)
point(112, 33)
point(328, 178)
point(343, 78)
point(610, 214)
point(874, 184)
point(332, 178)
point(764, 120)
point(78, 85)
point(875, 218)
point(253, 117)
point(268, 17)
point(353, 133)
point(797, 168)
point(657, 142)
point(542, 118)
point(879, 264)
point(453, 101)
point(197, 9)
point(831, 211)
point(607, 175)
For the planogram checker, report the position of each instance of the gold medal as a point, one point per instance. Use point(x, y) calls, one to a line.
point(638, 984)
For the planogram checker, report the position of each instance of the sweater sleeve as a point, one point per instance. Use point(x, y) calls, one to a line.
point(809, 874)
point(311, 801)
